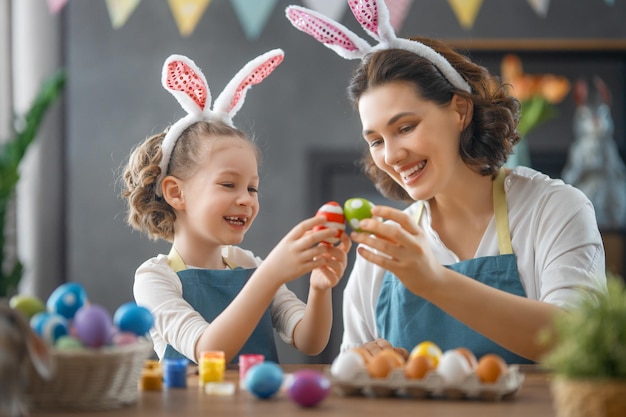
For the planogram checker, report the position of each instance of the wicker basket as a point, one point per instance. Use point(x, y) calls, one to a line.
point(91, 379)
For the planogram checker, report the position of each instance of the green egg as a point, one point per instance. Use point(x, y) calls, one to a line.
point(68, 342)
point(27, 305)
point(357, 209)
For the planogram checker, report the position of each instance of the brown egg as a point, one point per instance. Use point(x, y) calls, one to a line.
point(490, 367)
point(418, 366)
point(382, 363)
point(365, 354)
point(469, 355)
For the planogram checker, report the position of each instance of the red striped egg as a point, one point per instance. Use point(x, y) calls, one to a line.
point(335, 219)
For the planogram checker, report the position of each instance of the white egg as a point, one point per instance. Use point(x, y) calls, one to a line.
point(347, 365)
point(453, 367)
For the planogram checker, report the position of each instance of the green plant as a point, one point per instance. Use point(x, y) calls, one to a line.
point(590, 342)
point(11, 153)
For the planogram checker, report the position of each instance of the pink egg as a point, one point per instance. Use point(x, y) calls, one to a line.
point(308, 387)
point(335, 219)
point(93, 325)
point(124, 338)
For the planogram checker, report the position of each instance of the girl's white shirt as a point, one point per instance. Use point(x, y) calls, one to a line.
point(554, 234)
point(158, 288)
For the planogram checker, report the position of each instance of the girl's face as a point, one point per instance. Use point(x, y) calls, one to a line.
point(221, 197)
point(415, 141)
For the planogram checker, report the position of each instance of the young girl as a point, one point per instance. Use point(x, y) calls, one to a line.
point(483, 257)
point(197, 186)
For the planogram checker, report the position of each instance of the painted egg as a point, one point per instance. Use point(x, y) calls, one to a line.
point(124, 338)
point(334, 219)
point(130, 317)
point(93, 325)
point(490, 367)
point(347, 365)
point(418, 367)
point(308, 387)
point(453, 367)
point(357, 209)
point(50, 326)
point(427, 348)
point(68, 342)
point(66, 299)
point(264, 379)
point(27, 305)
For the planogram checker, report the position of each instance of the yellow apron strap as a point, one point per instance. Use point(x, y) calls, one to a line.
point(502, 215)
point(500, 211)
point(176, 262)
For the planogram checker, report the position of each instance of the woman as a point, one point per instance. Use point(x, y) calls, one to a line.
point(483, 257)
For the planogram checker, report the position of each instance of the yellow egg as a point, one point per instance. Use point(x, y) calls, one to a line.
point(490, 367)
point(427, 348)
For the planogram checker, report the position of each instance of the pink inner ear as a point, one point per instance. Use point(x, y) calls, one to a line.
point(366, 13)
point(259, 74)
point(181, 77)
point(321, 30)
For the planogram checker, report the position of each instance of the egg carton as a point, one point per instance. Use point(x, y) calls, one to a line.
point(433, 385)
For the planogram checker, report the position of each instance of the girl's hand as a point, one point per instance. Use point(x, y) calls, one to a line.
point(299, 252)
point(328, 275)
point(401, 248)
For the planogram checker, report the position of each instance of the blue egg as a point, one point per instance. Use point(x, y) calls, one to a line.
point(66, 299)
point(130, 317)
point(264, 379)
point(50, 326)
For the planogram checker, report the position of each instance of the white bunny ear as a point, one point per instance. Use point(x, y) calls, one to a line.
point(185, 81)
point(228, 103)
point(332, 34)
point(374, 17)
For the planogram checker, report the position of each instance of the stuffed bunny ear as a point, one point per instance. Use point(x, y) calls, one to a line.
point(231, 99)
point(332, 34)
point(185, 81)
point(374, 17)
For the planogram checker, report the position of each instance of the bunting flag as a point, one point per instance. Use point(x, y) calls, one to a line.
point(253, 15)
point(540, 7)
point(120, 11)
point(398, 9)
point(187, 14)
point(466, 11)
point(331, 8)
point(55, 6)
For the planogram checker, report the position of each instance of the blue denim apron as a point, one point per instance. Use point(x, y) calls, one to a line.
point(405, 319)
point(210, 291)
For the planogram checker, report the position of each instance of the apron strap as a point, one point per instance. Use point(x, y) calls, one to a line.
point(502, 216)
point(177, 264)
point(500, 211)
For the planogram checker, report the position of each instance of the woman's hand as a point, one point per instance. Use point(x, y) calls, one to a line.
point(400, 248)
point(378, 345)
point(327, 276)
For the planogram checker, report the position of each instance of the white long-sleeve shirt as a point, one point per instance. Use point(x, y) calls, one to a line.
point(554, 234)
point(158, 288)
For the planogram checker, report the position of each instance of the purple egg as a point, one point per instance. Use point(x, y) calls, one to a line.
point(93, 325)
point(308, 387)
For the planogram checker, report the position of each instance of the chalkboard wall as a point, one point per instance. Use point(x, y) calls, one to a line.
point(115, 100)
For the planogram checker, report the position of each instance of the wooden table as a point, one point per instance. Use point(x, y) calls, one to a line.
point(533, 399)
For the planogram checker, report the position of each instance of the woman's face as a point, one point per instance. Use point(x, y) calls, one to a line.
point(415, 141)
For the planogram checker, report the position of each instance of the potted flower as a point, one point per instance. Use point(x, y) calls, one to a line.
point(588, 356)
point(11, 153)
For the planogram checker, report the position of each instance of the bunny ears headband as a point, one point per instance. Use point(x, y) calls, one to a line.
point(184, 80)
point(374, 17)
